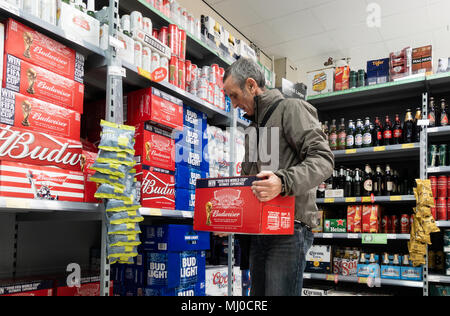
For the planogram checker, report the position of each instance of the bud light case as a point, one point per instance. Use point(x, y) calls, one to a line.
point(190, 158)
point(186, 178)
point(194, 119)
point(198, 289)
point(174, 238)
point(185, 200)
point(191, 138)
point(175, 269)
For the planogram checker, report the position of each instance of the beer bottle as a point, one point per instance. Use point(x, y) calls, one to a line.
point(408, 128)
point(386, 259)
point(378, 182)
point(321, 190)
point(357, 184)
point(341, 185)
point(359, 134)
point(389, 182)
point(432, 113)
point(405, 261)
point(396, 189)
point(417, 128)
point(350, 142)
point(348, 184)
point(342, 136)
point(387, 132)
point(367, 134)
point(368, 183)
point(377, 135)
point(362, 259)
point(326, 129)
point(444, 114)
point(372, 258)
point(398, 131)
point(396, 261)
point(333, 136)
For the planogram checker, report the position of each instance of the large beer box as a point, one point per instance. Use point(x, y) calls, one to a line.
point(191, 138)
point(194, 119)
point(157, 187)
point(186, 178)
point(33, 81)
point(319, 259)
point(378, 71)
point(411, 273)
point(20, 180)
point(175, 269)
point(198, 289)
point(40, 50)
point(155, 106)
point(26, 288)
point(185, 200)
point(390, 271)
point(155, 146)
point(229, 205)
point(90, 188)
point(78, 25)
point(90, 286)
point(38, 116)
point(422, 60)
point(21, 146)
point(174, 238)
point(366, 270)
point(335, 226)
point(217, 281)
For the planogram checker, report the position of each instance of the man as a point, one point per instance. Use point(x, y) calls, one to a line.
point(305, 160)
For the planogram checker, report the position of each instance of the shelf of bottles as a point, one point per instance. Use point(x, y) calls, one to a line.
point(361, 280)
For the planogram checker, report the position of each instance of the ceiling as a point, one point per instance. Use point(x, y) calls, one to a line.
point(310, 31)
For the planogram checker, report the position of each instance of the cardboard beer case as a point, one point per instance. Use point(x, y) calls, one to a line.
point(38, 116)
point(26, 288)
point(228, 205)
point(31, 46)
point(158, 187)
point(33, 81)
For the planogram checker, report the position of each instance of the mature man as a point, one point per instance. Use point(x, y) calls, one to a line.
point(305, 160)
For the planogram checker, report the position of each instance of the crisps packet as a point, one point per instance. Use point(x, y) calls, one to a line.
point(112, 169)
point(113, 206)
point(124, 240)
point(118, 252)
point(125, 217)
point(122, 158)
point(117, 138)
point(124, 229)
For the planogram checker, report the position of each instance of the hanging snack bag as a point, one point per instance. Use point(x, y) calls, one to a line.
point(117, 138)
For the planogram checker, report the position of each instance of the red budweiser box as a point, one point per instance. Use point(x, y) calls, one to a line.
point(36, 82)
point(157, 187)
point(228, 205)
point(39, 116)
point(35, 182)
point(90, 188)
point(155, 106)
point(155, 147)
point(21, 146)
point(38, 49)
point(26, 288)
point(89, 286)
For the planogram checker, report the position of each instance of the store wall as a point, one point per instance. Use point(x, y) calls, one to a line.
point(198, 8)
point(7, 223)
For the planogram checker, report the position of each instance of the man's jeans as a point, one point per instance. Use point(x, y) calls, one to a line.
point(277, 263)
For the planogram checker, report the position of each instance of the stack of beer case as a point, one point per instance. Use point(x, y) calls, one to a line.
point(40, 112)
point(171, 262)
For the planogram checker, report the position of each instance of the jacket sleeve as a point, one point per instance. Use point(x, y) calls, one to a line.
point(303, 132)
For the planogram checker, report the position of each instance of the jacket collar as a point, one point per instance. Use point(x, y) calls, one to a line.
point(263, 102)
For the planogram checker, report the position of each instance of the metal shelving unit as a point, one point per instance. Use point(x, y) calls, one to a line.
point(358, 236)
point(380, 152)
point(367, 199)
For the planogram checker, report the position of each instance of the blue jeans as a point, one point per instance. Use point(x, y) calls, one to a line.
point(277, 263)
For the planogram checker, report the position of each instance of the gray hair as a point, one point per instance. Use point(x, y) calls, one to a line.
point(244, 69)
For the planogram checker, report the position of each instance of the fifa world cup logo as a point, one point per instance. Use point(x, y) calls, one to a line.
point(83, 162)
point(26, 110)
point(208, 213)
point(148, 148)
point(28, 41)
point(32, 76)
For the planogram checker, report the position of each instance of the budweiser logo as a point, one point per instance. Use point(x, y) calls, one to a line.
point(226, 214)
point(81, 22)
point(48, 178)
point(40, 51)
point(21, 145)
point(51, 88)
point(154, 185)
point(47, 119)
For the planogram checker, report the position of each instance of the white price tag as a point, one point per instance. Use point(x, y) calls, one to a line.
point(423, 122)
point(433, 169)
point(118, 44)
point(327, 236)
point(392, 236)
point(117, 71)
point(353, 236)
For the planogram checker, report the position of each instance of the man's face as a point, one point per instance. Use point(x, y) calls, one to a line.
point(242, 99)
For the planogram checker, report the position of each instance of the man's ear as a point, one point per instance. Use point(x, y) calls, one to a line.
point(252, 86)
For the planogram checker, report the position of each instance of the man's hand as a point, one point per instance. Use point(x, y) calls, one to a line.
point(268, 188)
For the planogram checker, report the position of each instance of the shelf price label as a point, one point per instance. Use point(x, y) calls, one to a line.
point(350, 151)
point(379, 148)
point(408, 146)
point(350, 200)
point(396, 198)
point(329, 200)
point(144, 73)
point(374, 239)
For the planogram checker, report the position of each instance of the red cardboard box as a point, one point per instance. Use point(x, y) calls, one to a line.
point(38, 49)
point(89, 287)
point(354, 219)
point(342, 78)
point(155, 106)
point(371, 220)
point(29, 182)
point(157, 187)
point(39, 116)
point(228, 205)
point(36, 82)
point(21, 146)
point(155, 146)
point(26, 288)
point(90, 188)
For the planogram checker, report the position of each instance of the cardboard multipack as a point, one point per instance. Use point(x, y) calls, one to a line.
point(320, 81)
point(229, 205)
